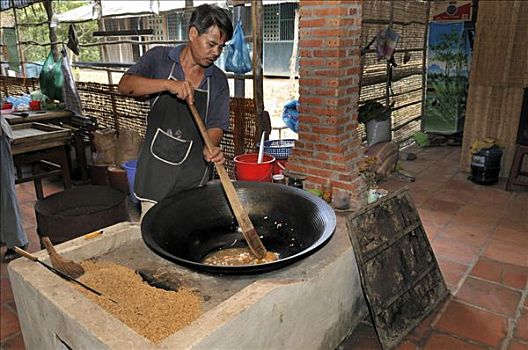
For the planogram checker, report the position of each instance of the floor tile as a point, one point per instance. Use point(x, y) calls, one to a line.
point(15, 342)
point(517, 345)
point(507, 252)
point(471, 216)
point(521, 331)
point(455, 251)
point(418, 196)
point(9, 325)
point(451, 271)
point(492, 196)
point(444, 206)
point(490, 296)
point(448, 193)
point(507, 234)
point(474, 235)
point(462, 185)
point(431, 217)
point(25, 197)
point(439, 341)
point(406, 345)
point(432, 230)
point(472, 323)
point(519, 223)
point(511, 275)
point(6, 294)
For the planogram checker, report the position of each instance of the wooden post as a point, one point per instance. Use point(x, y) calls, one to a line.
point(293, 59)
point(20, 52)
point(424, 58)
point(48, 5)
point(258, 82)
point(388, 83)
point(105, 58)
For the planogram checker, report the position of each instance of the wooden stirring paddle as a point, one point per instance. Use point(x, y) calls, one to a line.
point(249, 232)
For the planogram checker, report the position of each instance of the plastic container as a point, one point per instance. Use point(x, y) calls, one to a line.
point(279, 179)
point(280, 149)
point(485, 166)
point(326, 188)
point(247, 168)
point(378, 131)
point(130, 167)
point(34, 105)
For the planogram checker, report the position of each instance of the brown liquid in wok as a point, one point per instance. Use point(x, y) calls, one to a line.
point(238, 257)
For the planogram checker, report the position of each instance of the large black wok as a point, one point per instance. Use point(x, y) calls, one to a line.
point(186, 227)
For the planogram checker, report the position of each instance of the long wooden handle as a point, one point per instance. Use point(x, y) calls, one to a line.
point(49, 246)
point(25, 254)
point(249, 232)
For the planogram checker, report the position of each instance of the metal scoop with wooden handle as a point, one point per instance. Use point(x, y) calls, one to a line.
point(249, 232)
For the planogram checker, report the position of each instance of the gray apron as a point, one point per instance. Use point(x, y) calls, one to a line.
point(171, 159)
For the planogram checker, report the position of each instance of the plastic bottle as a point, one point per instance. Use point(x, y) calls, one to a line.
point(327, 191)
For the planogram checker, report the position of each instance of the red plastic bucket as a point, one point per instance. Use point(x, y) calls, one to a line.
point(247, 168)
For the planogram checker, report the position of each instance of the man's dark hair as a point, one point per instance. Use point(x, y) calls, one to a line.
point(205, 16)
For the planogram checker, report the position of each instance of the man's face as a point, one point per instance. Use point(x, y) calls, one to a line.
point(206, 48)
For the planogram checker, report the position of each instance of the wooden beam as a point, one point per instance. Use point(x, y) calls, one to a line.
point(424, 55)
point(258, 82)
point(48, 5)
point(130, 32)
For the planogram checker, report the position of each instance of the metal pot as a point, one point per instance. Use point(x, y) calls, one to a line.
point(186, 227)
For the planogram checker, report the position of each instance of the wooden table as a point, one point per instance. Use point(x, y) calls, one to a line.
point(37, 143)
point(38, 116)
point(60, 117)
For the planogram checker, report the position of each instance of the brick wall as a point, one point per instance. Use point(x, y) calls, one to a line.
point(329, 146)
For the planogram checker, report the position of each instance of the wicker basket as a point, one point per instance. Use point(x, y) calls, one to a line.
point(280, 149)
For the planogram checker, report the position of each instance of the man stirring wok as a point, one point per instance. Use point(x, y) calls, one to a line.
point(173, 157)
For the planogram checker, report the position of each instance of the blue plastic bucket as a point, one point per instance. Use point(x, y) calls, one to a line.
point(130, 167)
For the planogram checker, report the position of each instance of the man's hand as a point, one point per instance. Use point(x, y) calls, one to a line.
point(181, 89)
point(216, 156)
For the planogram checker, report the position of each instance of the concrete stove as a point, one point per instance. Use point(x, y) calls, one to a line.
point(312, 304)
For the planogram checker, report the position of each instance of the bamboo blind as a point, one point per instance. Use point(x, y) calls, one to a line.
point(499, 74)
point(409, 21)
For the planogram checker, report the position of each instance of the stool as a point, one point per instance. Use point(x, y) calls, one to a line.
point(55, 158)
point(516, 173)
point(278, 124)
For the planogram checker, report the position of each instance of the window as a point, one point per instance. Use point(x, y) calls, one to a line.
point(176, 27)
point(279, 21)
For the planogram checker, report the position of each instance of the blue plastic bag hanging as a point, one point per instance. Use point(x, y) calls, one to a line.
point(237, 59)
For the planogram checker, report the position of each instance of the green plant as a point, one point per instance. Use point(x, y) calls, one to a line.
point(367, 170)
point(40, 34)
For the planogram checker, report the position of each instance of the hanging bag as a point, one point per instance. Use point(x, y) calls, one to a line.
point(51, 78)
point(238, 60)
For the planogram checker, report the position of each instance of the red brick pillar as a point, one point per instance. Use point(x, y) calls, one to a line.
point(329, 146)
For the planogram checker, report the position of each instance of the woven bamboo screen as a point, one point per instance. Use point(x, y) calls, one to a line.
point(112, 110)
point(499, 74)
point(409, 21)
point(12, 86)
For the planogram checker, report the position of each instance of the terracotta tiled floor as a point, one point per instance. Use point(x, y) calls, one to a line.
point(480, 238)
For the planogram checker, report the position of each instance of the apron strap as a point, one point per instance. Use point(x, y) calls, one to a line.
point(169, 77)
